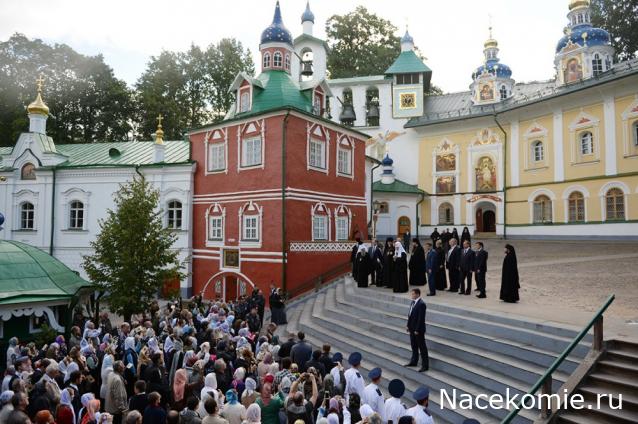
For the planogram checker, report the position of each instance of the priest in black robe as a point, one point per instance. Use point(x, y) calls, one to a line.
point(400, 271)
point(435, 236)
point(509, 277)
point(439, 274)
point(362, 266)
point(353, 256)
point(388, 263)
point(465, 235)
point(417, 264)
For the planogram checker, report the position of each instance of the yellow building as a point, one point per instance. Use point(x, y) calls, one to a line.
point(550, 159)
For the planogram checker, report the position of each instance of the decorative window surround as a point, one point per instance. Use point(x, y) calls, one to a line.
point(321, 210)
point(630, 130)
point(584, 123)
point(216, 138)
point(345, 150)
point(532, 199)
point(250, 131)
point(343, 219)
point(316, 133)
point(38, 311)
point(602, 194)
point(68, 197)
point(250, 209)
point(215, 212)
point(535, 133)
point(568, 191)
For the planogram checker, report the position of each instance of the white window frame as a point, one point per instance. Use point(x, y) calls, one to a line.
point(214, 139)
point(174, 210)
point(596, 65)
point(576, 209)
point(538, 151)
point(345, 144)
point(317, 160)
point(442, 218)
point(503, 92)
point(342, 228)
point(250, 162)
point(634, 132)
point(244, 100)
point(216, 226)
point(287, 62)
point(22, 219)
point(320, 228)
point(216, 157)
point(540, 218)
point(247, 231)
point(586, 143)
point(215, 212)
point(277, 60)
point(249, 211)
point(71, 219)
point(266, 61)
point(584, 123)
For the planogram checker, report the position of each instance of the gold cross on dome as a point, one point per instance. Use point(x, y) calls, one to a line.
point(39, 82)
point(159, 120)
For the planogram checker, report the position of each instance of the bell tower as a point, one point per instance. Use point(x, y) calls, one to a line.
point(311, 61)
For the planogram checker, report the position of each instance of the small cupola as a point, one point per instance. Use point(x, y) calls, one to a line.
point(159, 148)
point(38, 111)
point(387, 177)
point(276, 45)
point(307, 20)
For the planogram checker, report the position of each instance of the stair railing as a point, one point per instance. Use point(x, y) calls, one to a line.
point(545, 381)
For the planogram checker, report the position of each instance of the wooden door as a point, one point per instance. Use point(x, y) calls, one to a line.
point(403, 226)
point(489, 222)
point(479, 220)
point(231, 288)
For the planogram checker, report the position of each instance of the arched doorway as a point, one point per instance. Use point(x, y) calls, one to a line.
point(227, 286)
point(485, 218)
point(403, 226)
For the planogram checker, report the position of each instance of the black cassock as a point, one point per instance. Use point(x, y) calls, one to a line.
point(440, 277)
point(353, 256)
point(417, 267)
point(362, 266)
point(388, 266)
point(400, 274)
point(509, 279)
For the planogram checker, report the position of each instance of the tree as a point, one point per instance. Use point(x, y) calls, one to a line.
point(361, 44)
point(133, 255)
point(86, 101)
point(620, 18)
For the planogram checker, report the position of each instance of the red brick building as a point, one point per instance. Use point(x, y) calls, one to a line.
point(279, 191)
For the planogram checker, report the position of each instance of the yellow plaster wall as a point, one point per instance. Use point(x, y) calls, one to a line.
point(588, 169)
point(626, 152)
point(535, 173)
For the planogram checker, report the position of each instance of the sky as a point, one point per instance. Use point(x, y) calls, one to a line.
point(449, 33)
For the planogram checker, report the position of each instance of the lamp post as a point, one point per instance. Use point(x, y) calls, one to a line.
point(375, 217)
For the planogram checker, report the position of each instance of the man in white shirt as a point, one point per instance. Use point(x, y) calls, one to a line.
point(420, 411)
point(354, 381)
point(336, 371)
point(394, 409)
point(372, 393)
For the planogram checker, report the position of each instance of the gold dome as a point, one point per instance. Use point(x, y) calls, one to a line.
point(38, 106)
point(159, 133)
point(490, 43)
point(573, 4)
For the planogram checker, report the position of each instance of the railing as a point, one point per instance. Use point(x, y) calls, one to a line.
point(315, 283)
point(546, 379)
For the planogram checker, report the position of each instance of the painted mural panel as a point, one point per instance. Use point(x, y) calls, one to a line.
point(446, 184)
point(485, 175)
point(446, 162)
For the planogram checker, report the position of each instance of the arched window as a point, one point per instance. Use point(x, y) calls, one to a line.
point(251, 215)
point(27, 216)
point(503, 92)
point(608, 63)
point(576, 206)
point(344, 157)
point(276, 60)
point(580, 18)
point(175, 215)
point(372, 107)
point(28, 172)
point(320, 222)
point(266, 60)
point(538, 153)
point(244, 101)
point(597, 64)
point(634, 131)
point(615, 204)
point(216, 223)
point(446, 214)
point(76, 215)
point(542, 209)
point(586, 143)
point(342, 223)
point(287, 62)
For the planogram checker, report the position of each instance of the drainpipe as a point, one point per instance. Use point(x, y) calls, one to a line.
point(418, 224)
point(371, 189)
point(284, 129)
point(52, 213)
point(504, 176)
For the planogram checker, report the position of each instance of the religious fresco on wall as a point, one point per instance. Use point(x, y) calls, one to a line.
point(446, 184)
point(485, 175)
point(573, 70)
point(446, 162)
point(487, 91)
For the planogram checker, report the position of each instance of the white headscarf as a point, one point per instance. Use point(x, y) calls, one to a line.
point(362, 248)
point(253, 413)
point(129, 343)
point(209, 390)
point(73, 366)
point(398, 249)
point(66, 399)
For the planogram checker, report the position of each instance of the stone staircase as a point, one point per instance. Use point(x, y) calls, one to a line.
point(471, 351)
point(614, 374)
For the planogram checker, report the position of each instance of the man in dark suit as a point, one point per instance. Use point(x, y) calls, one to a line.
point(466, 266)
point(480, 269)
point(416, 328)
point(301, 352)
point(453, 262)
point(376, 261)
point(431, 261)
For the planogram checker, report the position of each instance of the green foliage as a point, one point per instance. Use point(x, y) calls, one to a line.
point(45, 335)
point(361, 44)
point(133, 252)
point(86, 101)
point(620, 18)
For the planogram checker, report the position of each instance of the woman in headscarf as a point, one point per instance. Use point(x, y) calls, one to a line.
point(388, 263)
point(238, 381)
point(61, 341)
point(107, 369)
point(509, 277)
point(417, 264)
point(269, 404)
point(250, 392)
point(179, 388)
point(264, 366)
point(209, 391)
point(65, 413)
point(233, 411)
point(465, 235)
point(84, 401)
point(130, 361)
point(400, 269)
point(92, 412)
point(253, 414)
point(362, 266)
point(439, 273)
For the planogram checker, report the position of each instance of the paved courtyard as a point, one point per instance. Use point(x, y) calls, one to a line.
point(566, 282)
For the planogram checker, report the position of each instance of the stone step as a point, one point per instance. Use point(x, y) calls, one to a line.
point(628, 399)
point(493, 328)
point(623, 383)
point(622, 356)
point(603, 411)
point(392, 368)
point(618, 368)
point(627, 348)
point(470, 341)
point(581, 417)
point(435, 379)
point(443, 305)
point(441, 349)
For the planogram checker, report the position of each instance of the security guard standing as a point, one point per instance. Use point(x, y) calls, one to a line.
point(354, 381)
point(420, 411)
point(394, 409)
point(337, 370)
point(373, 396)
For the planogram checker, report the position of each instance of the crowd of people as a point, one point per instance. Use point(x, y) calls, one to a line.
point(194, 363)
point(446, 262)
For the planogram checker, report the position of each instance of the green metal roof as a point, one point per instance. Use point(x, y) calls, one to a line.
point(27, 274)
point(118, 154)
point(278, 90)
point(408, 63)
point(397, 186)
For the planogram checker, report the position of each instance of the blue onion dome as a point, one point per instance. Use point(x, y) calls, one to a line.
point(407, 38)
point(276, 32)
point(584, 33)
point(495, 68)
point(308, 16)
point(387, 161)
